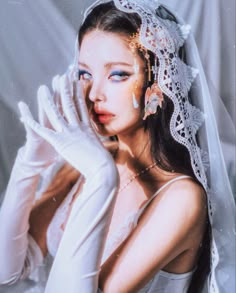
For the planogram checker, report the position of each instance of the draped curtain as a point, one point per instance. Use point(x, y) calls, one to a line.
point(37, 42)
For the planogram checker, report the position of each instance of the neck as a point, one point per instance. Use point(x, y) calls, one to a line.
point(134, 154)
point(134, 149)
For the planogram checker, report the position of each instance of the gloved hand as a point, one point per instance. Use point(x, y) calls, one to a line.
point(38, 151)
point(73, 137)
point(19, 253)
point(78, 259)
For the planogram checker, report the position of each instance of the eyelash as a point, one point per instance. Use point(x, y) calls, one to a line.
point(122, 76)
point(83, 73)
point(115, 76)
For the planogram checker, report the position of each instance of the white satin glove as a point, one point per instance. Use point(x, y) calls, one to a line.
point(19, 253)
point(37, 151)
point(73, 137)
point(78, 259)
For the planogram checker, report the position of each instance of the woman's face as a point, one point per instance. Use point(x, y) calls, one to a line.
point(109, 78)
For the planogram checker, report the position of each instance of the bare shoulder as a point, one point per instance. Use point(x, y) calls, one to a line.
point(183, 197)
point(168, 236)
point(186, 189)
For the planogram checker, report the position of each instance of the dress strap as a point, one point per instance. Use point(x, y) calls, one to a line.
point(140, 211)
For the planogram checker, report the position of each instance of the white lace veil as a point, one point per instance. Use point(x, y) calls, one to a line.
point(193, 124)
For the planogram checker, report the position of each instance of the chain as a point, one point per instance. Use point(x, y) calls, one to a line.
point(132, 178)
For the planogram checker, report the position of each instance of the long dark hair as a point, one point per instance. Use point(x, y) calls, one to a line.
point(167, 153)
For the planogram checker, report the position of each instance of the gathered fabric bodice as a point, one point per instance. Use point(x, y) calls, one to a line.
point(162, 282)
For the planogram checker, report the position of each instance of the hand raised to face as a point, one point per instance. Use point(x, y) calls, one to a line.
point(37, 149)
point(71, 134)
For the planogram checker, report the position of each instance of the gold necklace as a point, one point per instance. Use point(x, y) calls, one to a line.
point(132, 178)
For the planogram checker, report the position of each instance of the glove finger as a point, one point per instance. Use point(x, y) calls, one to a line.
point(72, 73)
point(48, 134)
point(80, 103)
point(57, 93)
point(53, 114)
point(25, 112)
point(42, 116)
point(68, 104)
point(56, 84)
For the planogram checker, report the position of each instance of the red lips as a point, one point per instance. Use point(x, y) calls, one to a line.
point(102, 115)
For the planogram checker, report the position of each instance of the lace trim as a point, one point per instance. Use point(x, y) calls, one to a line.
point(164, 38)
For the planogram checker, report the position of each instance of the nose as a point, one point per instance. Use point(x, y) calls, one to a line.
point(96, 92)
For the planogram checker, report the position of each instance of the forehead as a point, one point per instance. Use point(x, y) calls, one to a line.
point(105, 46)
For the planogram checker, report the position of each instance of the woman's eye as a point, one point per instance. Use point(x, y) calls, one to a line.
point(119, 76)
point(84, 75)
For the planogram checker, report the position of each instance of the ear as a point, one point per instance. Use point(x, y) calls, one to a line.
point(147, 95)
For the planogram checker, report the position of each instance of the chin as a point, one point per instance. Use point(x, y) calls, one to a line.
point(102, 130)
point(105, 132)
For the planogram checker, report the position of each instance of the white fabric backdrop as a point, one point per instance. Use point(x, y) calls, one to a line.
point(37, 42)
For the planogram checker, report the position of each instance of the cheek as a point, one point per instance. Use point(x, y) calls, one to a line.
point(125, 96)
point(133, 87)
point(121, 93)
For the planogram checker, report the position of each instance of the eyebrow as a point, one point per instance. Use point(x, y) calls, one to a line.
point(110, 64)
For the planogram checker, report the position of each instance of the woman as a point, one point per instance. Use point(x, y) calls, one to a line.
point(149, 232)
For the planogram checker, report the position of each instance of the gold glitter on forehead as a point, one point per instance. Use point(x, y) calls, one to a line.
point(135, 44)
